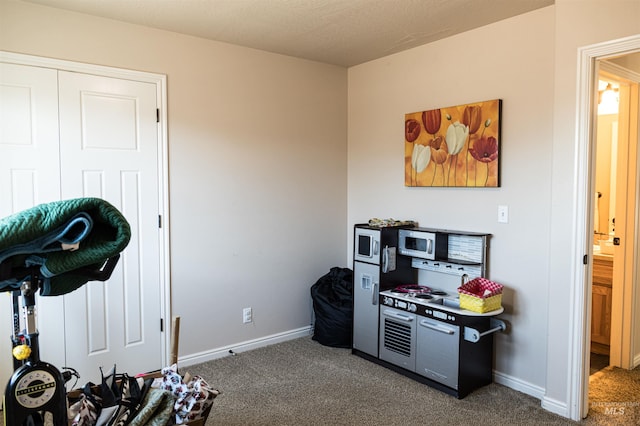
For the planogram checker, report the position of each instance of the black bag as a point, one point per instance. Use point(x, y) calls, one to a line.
point(332, 298)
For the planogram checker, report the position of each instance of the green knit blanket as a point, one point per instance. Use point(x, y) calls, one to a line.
point(21, 236)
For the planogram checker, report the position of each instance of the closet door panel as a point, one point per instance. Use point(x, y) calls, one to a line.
point(110, 150)
point(28, 137)
point(29, 175)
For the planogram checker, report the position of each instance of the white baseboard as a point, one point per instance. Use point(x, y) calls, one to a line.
point(557, 407)
point(519, 385)
point(552, 405)
point(205, 356)
point(636, 361)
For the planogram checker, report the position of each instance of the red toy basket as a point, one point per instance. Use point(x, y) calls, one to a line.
point(480, 295)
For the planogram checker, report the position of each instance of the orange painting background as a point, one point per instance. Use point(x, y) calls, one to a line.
point(458, 149)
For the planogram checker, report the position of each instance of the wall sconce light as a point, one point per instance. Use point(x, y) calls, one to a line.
point(608, 100)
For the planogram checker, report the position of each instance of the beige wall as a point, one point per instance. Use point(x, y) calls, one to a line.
point(257, 167)
point(530, 62)
point(496, 61)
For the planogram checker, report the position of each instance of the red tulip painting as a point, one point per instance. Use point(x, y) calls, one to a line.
point(456, 146)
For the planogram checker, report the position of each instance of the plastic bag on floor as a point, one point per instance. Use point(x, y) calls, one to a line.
point(332, 298)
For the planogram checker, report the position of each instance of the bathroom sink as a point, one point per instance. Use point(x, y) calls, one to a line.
point(606, 247)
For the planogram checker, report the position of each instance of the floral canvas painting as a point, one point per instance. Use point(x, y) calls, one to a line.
point(456, 146)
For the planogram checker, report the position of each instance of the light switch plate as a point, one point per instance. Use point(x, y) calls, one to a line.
point(503, 214)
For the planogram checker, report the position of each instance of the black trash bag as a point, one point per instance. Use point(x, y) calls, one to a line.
point(332, 298)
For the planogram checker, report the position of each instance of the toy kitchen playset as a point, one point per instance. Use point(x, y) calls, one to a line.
point(421, 304)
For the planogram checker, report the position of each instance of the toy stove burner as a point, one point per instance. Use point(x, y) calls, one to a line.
point(426, 296)
point(417, 291)
point(412, 288)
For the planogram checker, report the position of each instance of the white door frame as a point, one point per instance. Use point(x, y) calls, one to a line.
point(160, 82)
point(578, 371)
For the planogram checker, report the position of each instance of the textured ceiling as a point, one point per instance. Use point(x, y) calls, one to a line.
point(340, 32)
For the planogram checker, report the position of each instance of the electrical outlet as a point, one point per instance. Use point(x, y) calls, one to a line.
point(247, 315)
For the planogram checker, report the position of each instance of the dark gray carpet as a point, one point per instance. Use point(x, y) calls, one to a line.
point(301, 382)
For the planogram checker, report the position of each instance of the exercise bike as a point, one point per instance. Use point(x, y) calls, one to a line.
point(51, 249)
point(36, 393)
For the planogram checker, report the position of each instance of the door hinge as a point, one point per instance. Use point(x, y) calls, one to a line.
point(157, 115)
point(161, 325)
point(585, 259)
point(159, 221)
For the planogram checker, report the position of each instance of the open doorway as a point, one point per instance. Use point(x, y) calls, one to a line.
point(615, 177)
point(625, 340)
point(606, 131)
point(591, 59)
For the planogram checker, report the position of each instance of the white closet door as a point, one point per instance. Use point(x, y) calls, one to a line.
point(28, 137)
point(29, 175)
point(109, 149)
